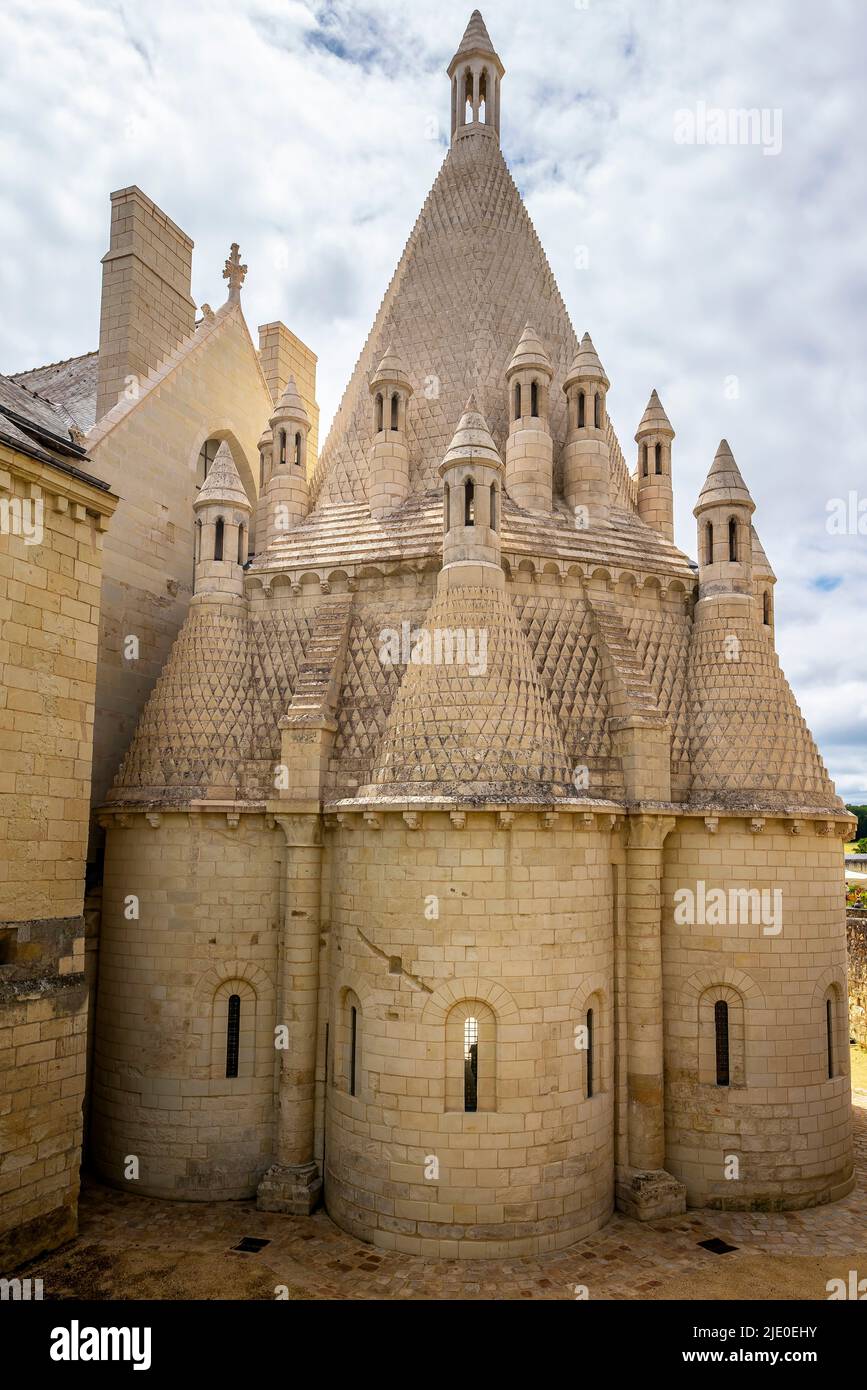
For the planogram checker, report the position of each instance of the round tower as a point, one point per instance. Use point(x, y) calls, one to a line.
point(476, 73)
point(390, 390)
point(222, 530)
point(265, 447)
point(586, 458)
point(764, 580)
point(286, 494)
point(472, 474)
point(529, 447)
point(655, 499)
point(723, 512)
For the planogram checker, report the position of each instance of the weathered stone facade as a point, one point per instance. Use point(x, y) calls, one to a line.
point(486, 873)
point(51, 534)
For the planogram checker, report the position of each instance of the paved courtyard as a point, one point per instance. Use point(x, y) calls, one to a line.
point(134, 1247)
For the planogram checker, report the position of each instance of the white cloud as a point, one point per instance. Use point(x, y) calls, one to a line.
point(301, 130)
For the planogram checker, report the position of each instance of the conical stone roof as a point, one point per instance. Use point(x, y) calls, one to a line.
point(586, 364)
point(472, 276)
point(391, 369)
point(223, 483)
point(472, 439)
point(724, 484)
point(530, 352)
point(654, 420)
point(290, 405)
point(476, 39)
point(481, 728)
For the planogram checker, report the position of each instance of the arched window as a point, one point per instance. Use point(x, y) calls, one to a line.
point(468, 98)
point(644, 460)
point(471, 1057)
point(447, 507)
point(721, 1041)
point(658, 458)
point(282, 448)
point(242, 545)
point(218, 539)
point(261, 468)
point(581, 410)
point(597, 411)
point(353, 1048)
point(348, 1058)
point(534, 399)
point(297, 455)
point(766, 608)
point(708, 543)
point(233, 1034)
point(471, 1064)
point(469, 503)
point(733, 539)
point(395, 401)
point(483, 97)
point(829, 1033)
point(590, 1057)
point(378, 420)
point(198, 549)
point(493, 506)
point(517, 405)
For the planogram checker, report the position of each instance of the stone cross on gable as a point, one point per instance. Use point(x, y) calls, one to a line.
point(234, 272)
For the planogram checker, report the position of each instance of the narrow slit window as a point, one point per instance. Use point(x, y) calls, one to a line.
point(241, 545)
point(708, 543)
point(198, 540)
point(353, 1048)
point(829, 1034)
point(469, 503)
point(395, 403)
point(233, 1034)
point(378, 421)
point(218, 539)
point(493, 507)
point(659, 458)
point(298, 449)
point(581, 410)
point(733, 540)
point(597, 412)
point(471, 1064)
point(517, 406)
point(721, 1031)
point(766, 608)
point(590, 1057)
point(468, 98)
point(447, 500)
point(483, 97)
point(534, 399)
point(282, 448)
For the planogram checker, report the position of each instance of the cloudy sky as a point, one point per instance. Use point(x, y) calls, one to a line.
point(730, 278)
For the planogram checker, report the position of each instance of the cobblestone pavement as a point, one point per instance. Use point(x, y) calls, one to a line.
point(135, 1247)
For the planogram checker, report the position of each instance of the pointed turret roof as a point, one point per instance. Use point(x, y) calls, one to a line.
point(290, 405)
point(530, 352)
point(654, 420)
point(391, 369)
point(586, 364)
point(476, 40)
point(472, 439)
point(223, 483)
point(724, 484)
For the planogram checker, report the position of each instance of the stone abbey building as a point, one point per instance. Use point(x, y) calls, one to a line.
point(470, 867)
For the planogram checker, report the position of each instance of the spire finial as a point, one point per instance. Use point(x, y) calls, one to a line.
point(476, 72)
point(235, 273)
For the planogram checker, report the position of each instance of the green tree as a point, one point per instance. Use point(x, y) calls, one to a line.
point(861, 813)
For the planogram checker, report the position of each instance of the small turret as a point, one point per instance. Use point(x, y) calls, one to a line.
point(476, 73)
point(223, 513)
point(586, 456)
point(723, 513)
point(286, 496)
point(390, 390)
point(655, 497)
point(529, 448)
point(764, 580)
point(472, 474)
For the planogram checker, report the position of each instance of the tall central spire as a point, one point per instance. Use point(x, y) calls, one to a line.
point(476, 73)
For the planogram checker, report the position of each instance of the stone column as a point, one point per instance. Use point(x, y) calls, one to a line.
point(294, 1183)
point(644, 1189)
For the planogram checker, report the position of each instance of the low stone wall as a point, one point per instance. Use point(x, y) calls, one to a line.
point(856, 924)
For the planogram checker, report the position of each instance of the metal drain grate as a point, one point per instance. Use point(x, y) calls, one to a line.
point(251, 1245)
point(717, 1246)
